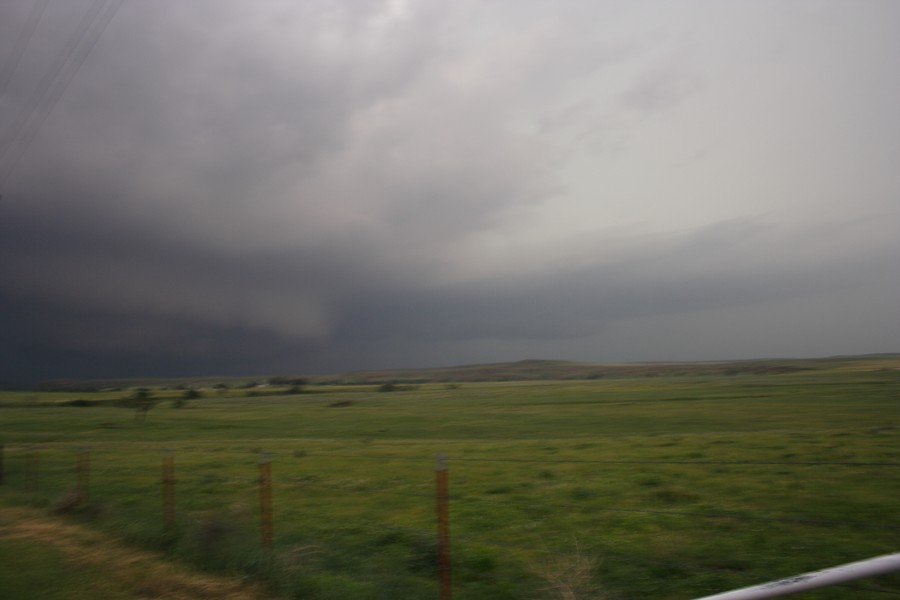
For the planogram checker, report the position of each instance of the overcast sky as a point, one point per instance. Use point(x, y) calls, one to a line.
point(299, 186)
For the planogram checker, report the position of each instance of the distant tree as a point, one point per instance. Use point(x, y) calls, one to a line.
point(396, 387)
point(187, 395)
point(296, 381)
point(141, 400)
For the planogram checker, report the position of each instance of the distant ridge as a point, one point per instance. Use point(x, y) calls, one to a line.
point(522, 370)
point(538, 369)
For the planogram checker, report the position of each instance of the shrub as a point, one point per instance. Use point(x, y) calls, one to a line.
point(141, 400)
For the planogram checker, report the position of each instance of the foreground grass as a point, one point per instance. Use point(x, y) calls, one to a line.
point(49, 558)
point(635, 488)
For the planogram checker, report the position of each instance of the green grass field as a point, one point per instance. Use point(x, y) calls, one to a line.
point(628, 488)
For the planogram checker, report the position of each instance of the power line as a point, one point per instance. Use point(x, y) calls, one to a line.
point(12, 62)
point(40, 91)
point(81, 44)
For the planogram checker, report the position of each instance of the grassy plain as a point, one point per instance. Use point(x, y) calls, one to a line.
point(664, 487)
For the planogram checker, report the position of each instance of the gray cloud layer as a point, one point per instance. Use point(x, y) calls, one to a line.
point(282, 186)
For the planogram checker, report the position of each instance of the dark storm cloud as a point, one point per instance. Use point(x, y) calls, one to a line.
point(726, 265)
point(283, 186)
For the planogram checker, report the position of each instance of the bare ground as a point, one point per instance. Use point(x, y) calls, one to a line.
point(146, 574)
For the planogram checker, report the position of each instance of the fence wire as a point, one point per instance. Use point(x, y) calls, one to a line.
point(53, 467)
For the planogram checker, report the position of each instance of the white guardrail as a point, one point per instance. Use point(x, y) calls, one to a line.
point(808, 581)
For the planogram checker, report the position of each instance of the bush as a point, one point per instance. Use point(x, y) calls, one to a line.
point(141, 400)
point(396, 387)
point(81, 402)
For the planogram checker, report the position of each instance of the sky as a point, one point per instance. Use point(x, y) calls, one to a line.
point(222, 187)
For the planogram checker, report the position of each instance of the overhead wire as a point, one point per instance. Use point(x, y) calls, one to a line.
point(22, 40)
point(36, 98)
point(55, 82)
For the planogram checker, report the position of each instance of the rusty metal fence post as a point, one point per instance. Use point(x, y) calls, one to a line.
point(168, 491)
point(265, 499)
point(83, 475)
point(443, 514)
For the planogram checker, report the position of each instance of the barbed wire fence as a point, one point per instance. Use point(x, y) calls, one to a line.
point(47, 469)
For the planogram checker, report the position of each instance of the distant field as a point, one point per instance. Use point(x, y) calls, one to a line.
point(639, 487)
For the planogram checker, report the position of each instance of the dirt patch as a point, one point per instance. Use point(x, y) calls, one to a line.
point(146, 573)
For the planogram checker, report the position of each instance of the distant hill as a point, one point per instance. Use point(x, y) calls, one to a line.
point(525, 370)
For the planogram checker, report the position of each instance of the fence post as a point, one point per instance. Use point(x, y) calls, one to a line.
point(2, 451)
point(82, 475)
point(443, 514)
point(32, 467)
point(265, 499)
point(168, 482)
